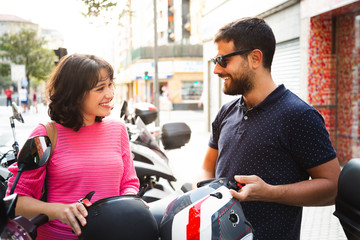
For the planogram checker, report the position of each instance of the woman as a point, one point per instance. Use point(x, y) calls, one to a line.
point(91, 154)
point(34, 100)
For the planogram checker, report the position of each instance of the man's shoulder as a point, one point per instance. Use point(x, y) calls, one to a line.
point(293, 108)
point(295, 103)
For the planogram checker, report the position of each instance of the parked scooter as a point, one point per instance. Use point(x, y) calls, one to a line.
point(150, 161)
point(9, 157)
point(34, 154)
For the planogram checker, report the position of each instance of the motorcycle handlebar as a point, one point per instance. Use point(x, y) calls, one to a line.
point(28, 228)
point(9, 156)
point(231, 184)
point(39, 220)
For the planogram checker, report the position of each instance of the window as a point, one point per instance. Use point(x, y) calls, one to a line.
point(191, 90)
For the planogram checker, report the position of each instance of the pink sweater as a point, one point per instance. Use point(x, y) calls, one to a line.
point(96, 158)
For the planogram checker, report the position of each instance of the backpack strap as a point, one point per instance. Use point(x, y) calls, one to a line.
point(52, 134)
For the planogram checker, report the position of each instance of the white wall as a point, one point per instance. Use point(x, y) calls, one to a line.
point(285, 24)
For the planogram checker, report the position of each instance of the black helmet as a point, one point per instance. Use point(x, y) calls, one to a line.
point(208, 212)
point(124, 217)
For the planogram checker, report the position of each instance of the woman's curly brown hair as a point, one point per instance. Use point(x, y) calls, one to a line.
point(73, 78)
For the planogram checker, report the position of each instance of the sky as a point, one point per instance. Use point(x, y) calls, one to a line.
point(63, 15)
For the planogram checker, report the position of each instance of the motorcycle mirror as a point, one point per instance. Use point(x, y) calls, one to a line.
point(34, 154)
point(16, 113)
point(123, 108)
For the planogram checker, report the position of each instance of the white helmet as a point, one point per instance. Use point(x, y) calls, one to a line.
point(208, 212)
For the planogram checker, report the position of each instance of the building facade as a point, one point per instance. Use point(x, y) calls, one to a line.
point(180, 77)
point(10, 24)
point(331, 32)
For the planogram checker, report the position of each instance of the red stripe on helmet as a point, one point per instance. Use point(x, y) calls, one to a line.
point(193, 226)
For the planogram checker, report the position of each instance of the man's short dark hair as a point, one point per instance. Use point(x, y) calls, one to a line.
point(250, 33)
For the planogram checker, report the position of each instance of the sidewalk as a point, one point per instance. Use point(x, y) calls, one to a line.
point(318, 223)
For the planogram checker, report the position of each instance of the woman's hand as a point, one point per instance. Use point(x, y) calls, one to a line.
point(72, 214)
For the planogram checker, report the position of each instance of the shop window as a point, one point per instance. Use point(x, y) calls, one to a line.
point(191, 90)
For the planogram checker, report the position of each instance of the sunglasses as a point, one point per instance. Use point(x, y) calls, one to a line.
point(221, 58)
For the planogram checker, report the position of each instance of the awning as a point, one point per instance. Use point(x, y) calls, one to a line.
point(122, 78)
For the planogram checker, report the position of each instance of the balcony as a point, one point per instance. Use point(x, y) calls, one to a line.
point(166, 51)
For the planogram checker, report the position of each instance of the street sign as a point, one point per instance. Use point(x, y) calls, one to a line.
point(18, 73)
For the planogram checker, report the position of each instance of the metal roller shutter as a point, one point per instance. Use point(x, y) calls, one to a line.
point(286, 65)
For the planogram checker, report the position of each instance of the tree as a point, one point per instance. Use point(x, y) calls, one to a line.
point(96, 7)
point(108, 10)
point(26, 47)
point(5, 80)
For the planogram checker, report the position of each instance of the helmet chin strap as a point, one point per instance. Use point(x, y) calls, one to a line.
point(86, 200)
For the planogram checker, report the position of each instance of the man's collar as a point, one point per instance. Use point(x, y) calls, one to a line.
point(269, 100)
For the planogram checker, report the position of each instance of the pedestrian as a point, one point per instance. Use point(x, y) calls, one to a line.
point(34, 100)
point(268, 139)
point(23, 97)
point(8, 93)
point(201, 100)
point(91, 153)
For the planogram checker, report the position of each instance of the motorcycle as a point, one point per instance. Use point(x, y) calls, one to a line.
point(150, 161)
point(9, 157)
point(34, 154)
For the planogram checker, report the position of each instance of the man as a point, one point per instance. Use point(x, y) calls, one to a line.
point(8, 93)
point(268, 139)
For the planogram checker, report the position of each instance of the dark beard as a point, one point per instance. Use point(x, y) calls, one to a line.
point(239, 85)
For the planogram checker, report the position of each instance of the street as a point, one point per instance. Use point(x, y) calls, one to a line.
point(23, 130)
point(318, 222)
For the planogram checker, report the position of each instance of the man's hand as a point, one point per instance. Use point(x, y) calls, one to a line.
point(319, 190)
point(254, 189)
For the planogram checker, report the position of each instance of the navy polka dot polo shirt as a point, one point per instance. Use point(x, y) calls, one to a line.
point(276, 140)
